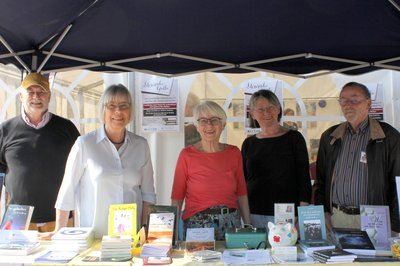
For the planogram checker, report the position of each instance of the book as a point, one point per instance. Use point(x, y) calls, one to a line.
point(116, 247)
point(164, 209)
point(17, 217)
point(354, 241)
point(122, 219)
point(68, 233)
point(54, 256)
point(311, 222)
point(2, 178)
point(160, 235)
point(72, 239)
point(19, 248)
point(299, 258)
point(375, 220)
point(310, 246)
point(332, 255)
point(161, 227)
point(205, 255)
point(284, 212)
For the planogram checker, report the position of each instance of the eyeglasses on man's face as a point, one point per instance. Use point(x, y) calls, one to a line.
point(213, 121)
point(351, 101)
point(121, 107)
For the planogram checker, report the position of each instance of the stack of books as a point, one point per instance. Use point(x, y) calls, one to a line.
point(331, 256)
point(116, 248)
point(18, 242)
point(160, 235)
point(73, 239)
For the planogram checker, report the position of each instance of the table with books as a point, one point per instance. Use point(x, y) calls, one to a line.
point(77, 246)
point(178, 258)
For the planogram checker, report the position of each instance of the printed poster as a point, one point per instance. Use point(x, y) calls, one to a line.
point(252, 85)
point(377, 101)
point(160, 105)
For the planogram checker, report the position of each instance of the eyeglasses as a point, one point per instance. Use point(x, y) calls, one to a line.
point(213, 121)
point(121, 107)
point(267, 109)
point(38, 93)
point(352, 101)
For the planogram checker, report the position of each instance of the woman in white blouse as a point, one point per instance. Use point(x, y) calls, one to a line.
point(107, 166)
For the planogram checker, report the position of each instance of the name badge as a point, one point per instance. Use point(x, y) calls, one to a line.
point(363, 157)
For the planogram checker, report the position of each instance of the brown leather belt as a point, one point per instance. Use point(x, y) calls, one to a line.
point(219, 210)
point(347, 209)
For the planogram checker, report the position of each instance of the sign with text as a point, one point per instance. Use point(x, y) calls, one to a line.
point(160, 104)
point(252, 85)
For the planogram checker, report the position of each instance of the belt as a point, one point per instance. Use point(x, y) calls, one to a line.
point(219, 210)
point(347, 209)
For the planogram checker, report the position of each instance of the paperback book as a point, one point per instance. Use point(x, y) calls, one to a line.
point(334, 255)
point(17, 217)
point(122, 219)
point(312, 223)
point(354, 241)
point(18, 242)
point(165, 209)
point(161, 227)
point(72, 239)
point(54, 256)
point(160, 234)
point(375, 220)
point(313, 245)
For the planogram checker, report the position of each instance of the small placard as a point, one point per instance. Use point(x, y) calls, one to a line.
point(199, 234)
point(284, 250)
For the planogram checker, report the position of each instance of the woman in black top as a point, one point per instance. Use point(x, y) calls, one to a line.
point(275, 161)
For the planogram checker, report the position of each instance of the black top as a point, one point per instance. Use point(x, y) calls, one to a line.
point(276, 171)
point(34, 162)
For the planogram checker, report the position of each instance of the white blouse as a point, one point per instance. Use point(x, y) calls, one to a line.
point(97, 175)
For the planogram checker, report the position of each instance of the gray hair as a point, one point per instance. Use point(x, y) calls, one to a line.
point(112, 93)
point(363, 88)
point(268, 95)
point(209, 108)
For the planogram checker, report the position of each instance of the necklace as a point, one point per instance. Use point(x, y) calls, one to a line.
point(117, 143)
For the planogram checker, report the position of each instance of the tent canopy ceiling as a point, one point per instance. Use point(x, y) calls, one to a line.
point(171, 38)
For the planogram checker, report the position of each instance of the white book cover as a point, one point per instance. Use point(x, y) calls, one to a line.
point(284, 212)
point(73, 233)
point(375, 220)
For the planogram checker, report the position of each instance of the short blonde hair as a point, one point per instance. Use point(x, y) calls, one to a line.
point(112, 93)
point(209, 108)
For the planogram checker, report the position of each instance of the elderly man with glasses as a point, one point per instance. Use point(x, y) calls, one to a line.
point(357, 163)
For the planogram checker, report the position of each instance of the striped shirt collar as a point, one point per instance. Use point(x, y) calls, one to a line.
point(45, 119)
point(375, 131)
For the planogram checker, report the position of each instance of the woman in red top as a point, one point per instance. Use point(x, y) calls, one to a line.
point(209, 177)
